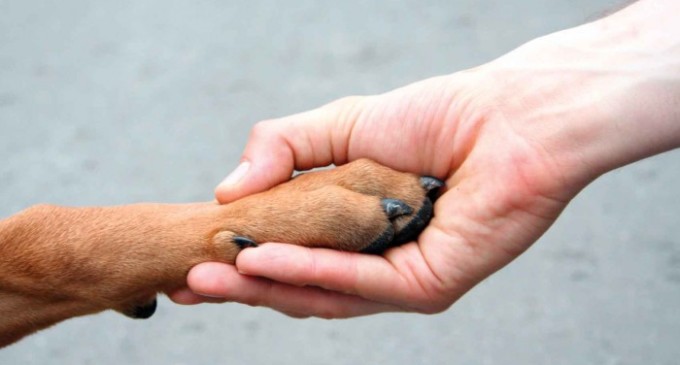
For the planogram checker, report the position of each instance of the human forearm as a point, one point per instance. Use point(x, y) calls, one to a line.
point(601, 95)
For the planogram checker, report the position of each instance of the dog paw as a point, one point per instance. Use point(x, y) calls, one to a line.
point(416, 193)
point(361, 206)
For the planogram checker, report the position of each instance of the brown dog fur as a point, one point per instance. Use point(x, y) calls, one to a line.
point(57, 262)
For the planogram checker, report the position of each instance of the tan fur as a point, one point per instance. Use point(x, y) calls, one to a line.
point(58, 262)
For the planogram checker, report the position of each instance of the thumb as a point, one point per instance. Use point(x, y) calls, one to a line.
point(265, 166)
point(277, 147)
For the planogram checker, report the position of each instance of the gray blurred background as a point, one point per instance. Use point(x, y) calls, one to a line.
point(125, 101)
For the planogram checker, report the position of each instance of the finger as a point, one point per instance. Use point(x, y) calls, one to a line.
point(401, 278)
point(277, 147)
point(222, 280)
point(185, 296)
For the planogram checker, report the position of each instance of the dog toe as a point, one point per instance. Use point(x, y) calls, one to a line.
point(420, 220)
point(395, 208)
point(417, 223)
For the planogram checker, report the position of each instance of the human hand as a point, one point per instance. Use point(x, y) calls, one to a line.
point(503, 193)
point(515, 139)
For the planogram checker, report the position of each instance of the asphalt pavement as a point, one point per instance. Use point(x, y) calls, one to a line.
point(126, 101)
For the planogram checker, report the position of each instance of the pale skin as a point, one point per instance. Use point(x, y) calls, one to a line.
point(515, 139)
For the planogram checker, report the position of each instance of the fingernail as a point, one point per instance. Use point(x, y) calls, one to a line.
point(235, 175)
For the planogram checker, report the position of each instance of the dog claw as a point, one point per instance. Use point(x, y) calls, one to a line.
point(244, 242)
point(431, 186)
point(430, 183)
point(416, 225)
point(395, 208)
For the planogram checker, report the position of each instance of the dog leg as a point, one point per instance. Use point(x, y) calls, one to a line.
point(57, 262)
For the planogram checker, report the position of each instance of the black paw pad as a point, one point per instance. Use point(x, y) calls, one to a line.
point(144, 311)
point(382, 243)
point(244, 242)
point(395, 208)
